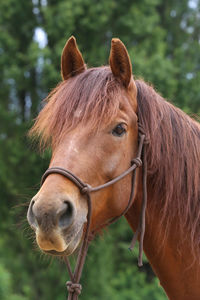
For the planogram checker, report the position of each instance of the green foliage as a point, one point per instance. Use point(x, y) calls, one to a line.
point(5, 286)
point(162, 38)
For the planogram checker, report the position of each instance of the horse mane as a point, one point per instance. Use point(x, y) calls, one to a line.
point(173, 163)
point(93, 98)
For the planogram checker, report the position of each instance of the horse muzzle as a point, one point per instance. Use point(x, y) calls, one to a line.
point(57, 224)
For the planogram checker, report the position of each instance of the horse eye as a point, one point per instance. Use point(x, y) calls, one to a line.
point(119, 130)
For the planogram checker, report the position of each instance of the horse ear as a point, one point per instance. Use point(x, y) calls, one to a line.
point(72, 62)
point(120, 62)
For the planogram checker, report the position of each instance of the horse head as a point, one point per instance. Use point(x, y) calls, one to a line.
point(90, 120)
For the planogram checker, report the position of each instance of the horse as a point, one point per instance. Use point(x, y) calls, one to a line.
point(90, 121)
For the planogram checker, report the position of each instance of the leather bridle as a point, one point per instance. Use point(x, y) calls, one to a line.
point(73, 286)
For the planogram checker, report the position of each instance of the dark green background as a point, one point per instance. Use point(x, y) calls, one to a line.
point(162, 38)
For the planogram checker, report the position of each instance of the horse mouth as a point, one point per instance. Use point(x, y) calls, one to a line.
point(54, 252)
point(71, 246)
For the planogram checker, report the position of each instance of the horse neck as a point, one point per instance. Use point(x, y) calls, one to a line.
point(178, 273)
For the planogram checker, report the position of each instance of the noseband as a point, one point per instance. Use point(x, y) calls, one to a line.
point(73, 286)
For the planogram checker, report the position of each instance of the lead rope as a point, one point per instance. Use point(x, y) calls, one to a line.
point(73, 286)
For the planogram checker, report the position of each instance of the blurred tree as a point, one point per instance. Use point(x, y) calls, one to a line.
point(163, 41)
point(182, 25)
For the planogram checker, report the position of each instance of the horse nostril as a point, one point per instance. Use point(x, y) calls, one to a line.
point(66, 215)
point(48, 217)
point(30, 215)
